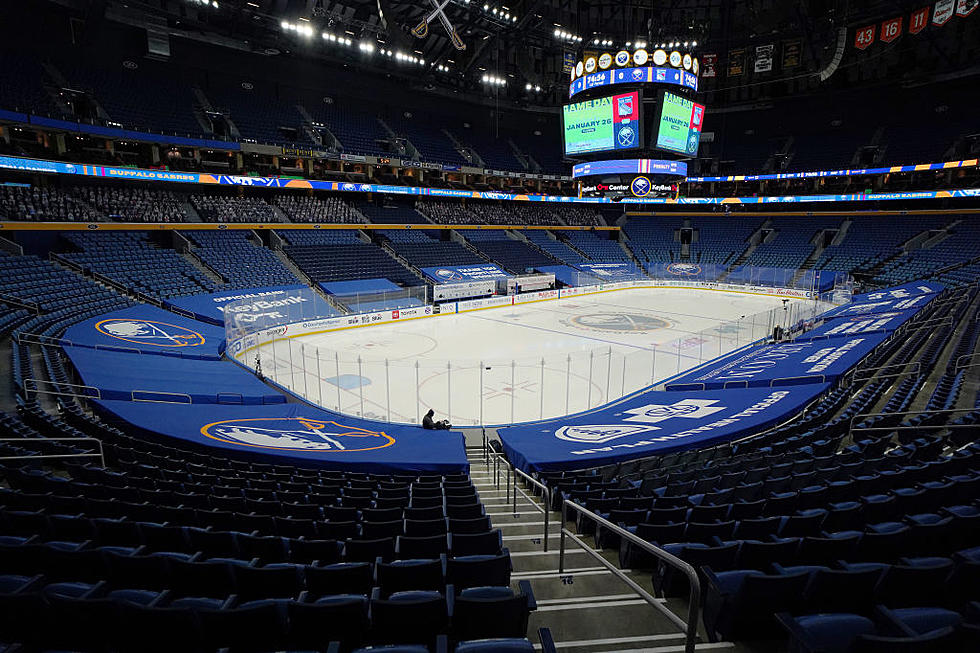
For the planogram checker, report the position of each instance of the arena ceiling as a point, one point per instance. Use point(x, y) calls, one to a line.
point(521, 42)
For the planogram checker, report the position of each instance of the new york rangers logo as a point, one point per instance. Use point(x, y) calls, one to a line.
point(684, 269)
point(150, 332)
point(693, 409)
point(626, 105)
point(296, 434)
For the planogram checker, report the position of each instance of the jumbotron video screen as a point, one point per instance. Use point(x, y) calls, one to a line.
point(679, 126)
point(607, 123)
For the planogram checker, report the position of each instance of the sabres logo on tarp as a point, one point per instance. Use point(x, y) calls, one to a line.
point(296, 434)
point(448, 275)
point(684, 269)
point(150, 332)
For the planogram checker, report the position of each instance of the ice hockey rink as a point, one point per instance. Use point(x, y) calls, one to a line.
point(524, 362)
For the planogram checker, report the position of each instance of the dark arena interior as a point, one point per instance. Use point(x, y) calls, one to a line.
point(473, 326)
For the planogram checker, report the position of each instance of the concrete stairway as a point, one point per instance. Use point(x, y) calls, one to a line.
point(587, 608)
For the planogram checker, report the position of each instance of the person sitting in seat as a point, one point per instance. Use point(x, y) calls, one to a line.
point(431, 424)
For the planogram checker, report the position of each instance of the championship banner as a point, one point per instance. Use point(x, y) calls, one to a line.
point(736, 62)
point(568, 62)
point(709, 65)
point(450, 274)
point(919, 20)
point(943, 11)
point(891, 29)
point(147, 329)
point(763, 58)
point(785, 364)
point(652, 423)
point(275, 302)
point(966, 7)
point(864, 37)
point(792, 54)
point(300, 434)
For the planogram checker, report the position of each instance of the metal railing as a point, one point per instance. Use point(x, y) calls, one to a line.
point(513, 489)
point(967, 360)
point(689, 627)
point(851, 429)
point(34, 387)
point(100, 455)
point(863, 372)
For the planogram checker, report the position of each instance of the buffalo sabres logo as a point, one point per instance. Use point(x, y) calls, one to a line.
point(684, 269)
point(448, 275)
point(640, 186)
point(638, 75)
point(649, 414)
point(626, 136)
point(150, 332)
point(296, 434)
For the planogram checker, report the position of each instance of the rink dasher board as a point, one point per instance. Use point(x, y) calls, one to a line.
point(242, 346)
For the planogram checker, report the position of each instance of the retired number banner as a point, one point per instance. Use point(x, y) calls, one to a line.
point(891, 29)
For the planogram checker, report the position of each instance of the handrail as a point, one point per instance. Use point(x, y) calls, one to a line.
point(512, 474)
point(850, 426)
point(100, 455)
point(545, 494)
point(690, 627)
point(960, 365)
point(916, 369)
point(87, 391)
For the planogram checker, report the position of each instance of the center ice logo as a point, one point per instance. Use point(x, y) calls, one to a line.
point(619, 322)
point(694, 409)
point(684, 269)
point(150, 332)
point(296, 434)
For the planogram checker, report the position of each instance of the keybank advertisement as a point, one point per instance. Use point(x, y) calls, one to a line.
point(652, 423)
point(790, 363)
point(679, 129)
point(275, 303)
point(609, 123)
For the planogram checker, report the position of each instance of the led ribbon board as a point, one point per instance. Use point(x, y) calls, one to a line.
point(629, 167)
point(143, 175)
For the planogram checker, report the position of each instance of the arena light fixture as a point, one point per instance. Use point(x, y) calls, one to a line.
point(493, 80)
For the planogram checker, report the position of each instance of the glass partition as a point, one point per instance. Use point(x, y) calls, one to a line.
point(289, 346)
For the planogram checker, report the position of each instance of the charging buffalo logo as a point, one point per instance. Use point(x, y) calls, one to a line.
point(619, 322)
point(296, 434)
point(150, 332)
point(684, 269)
